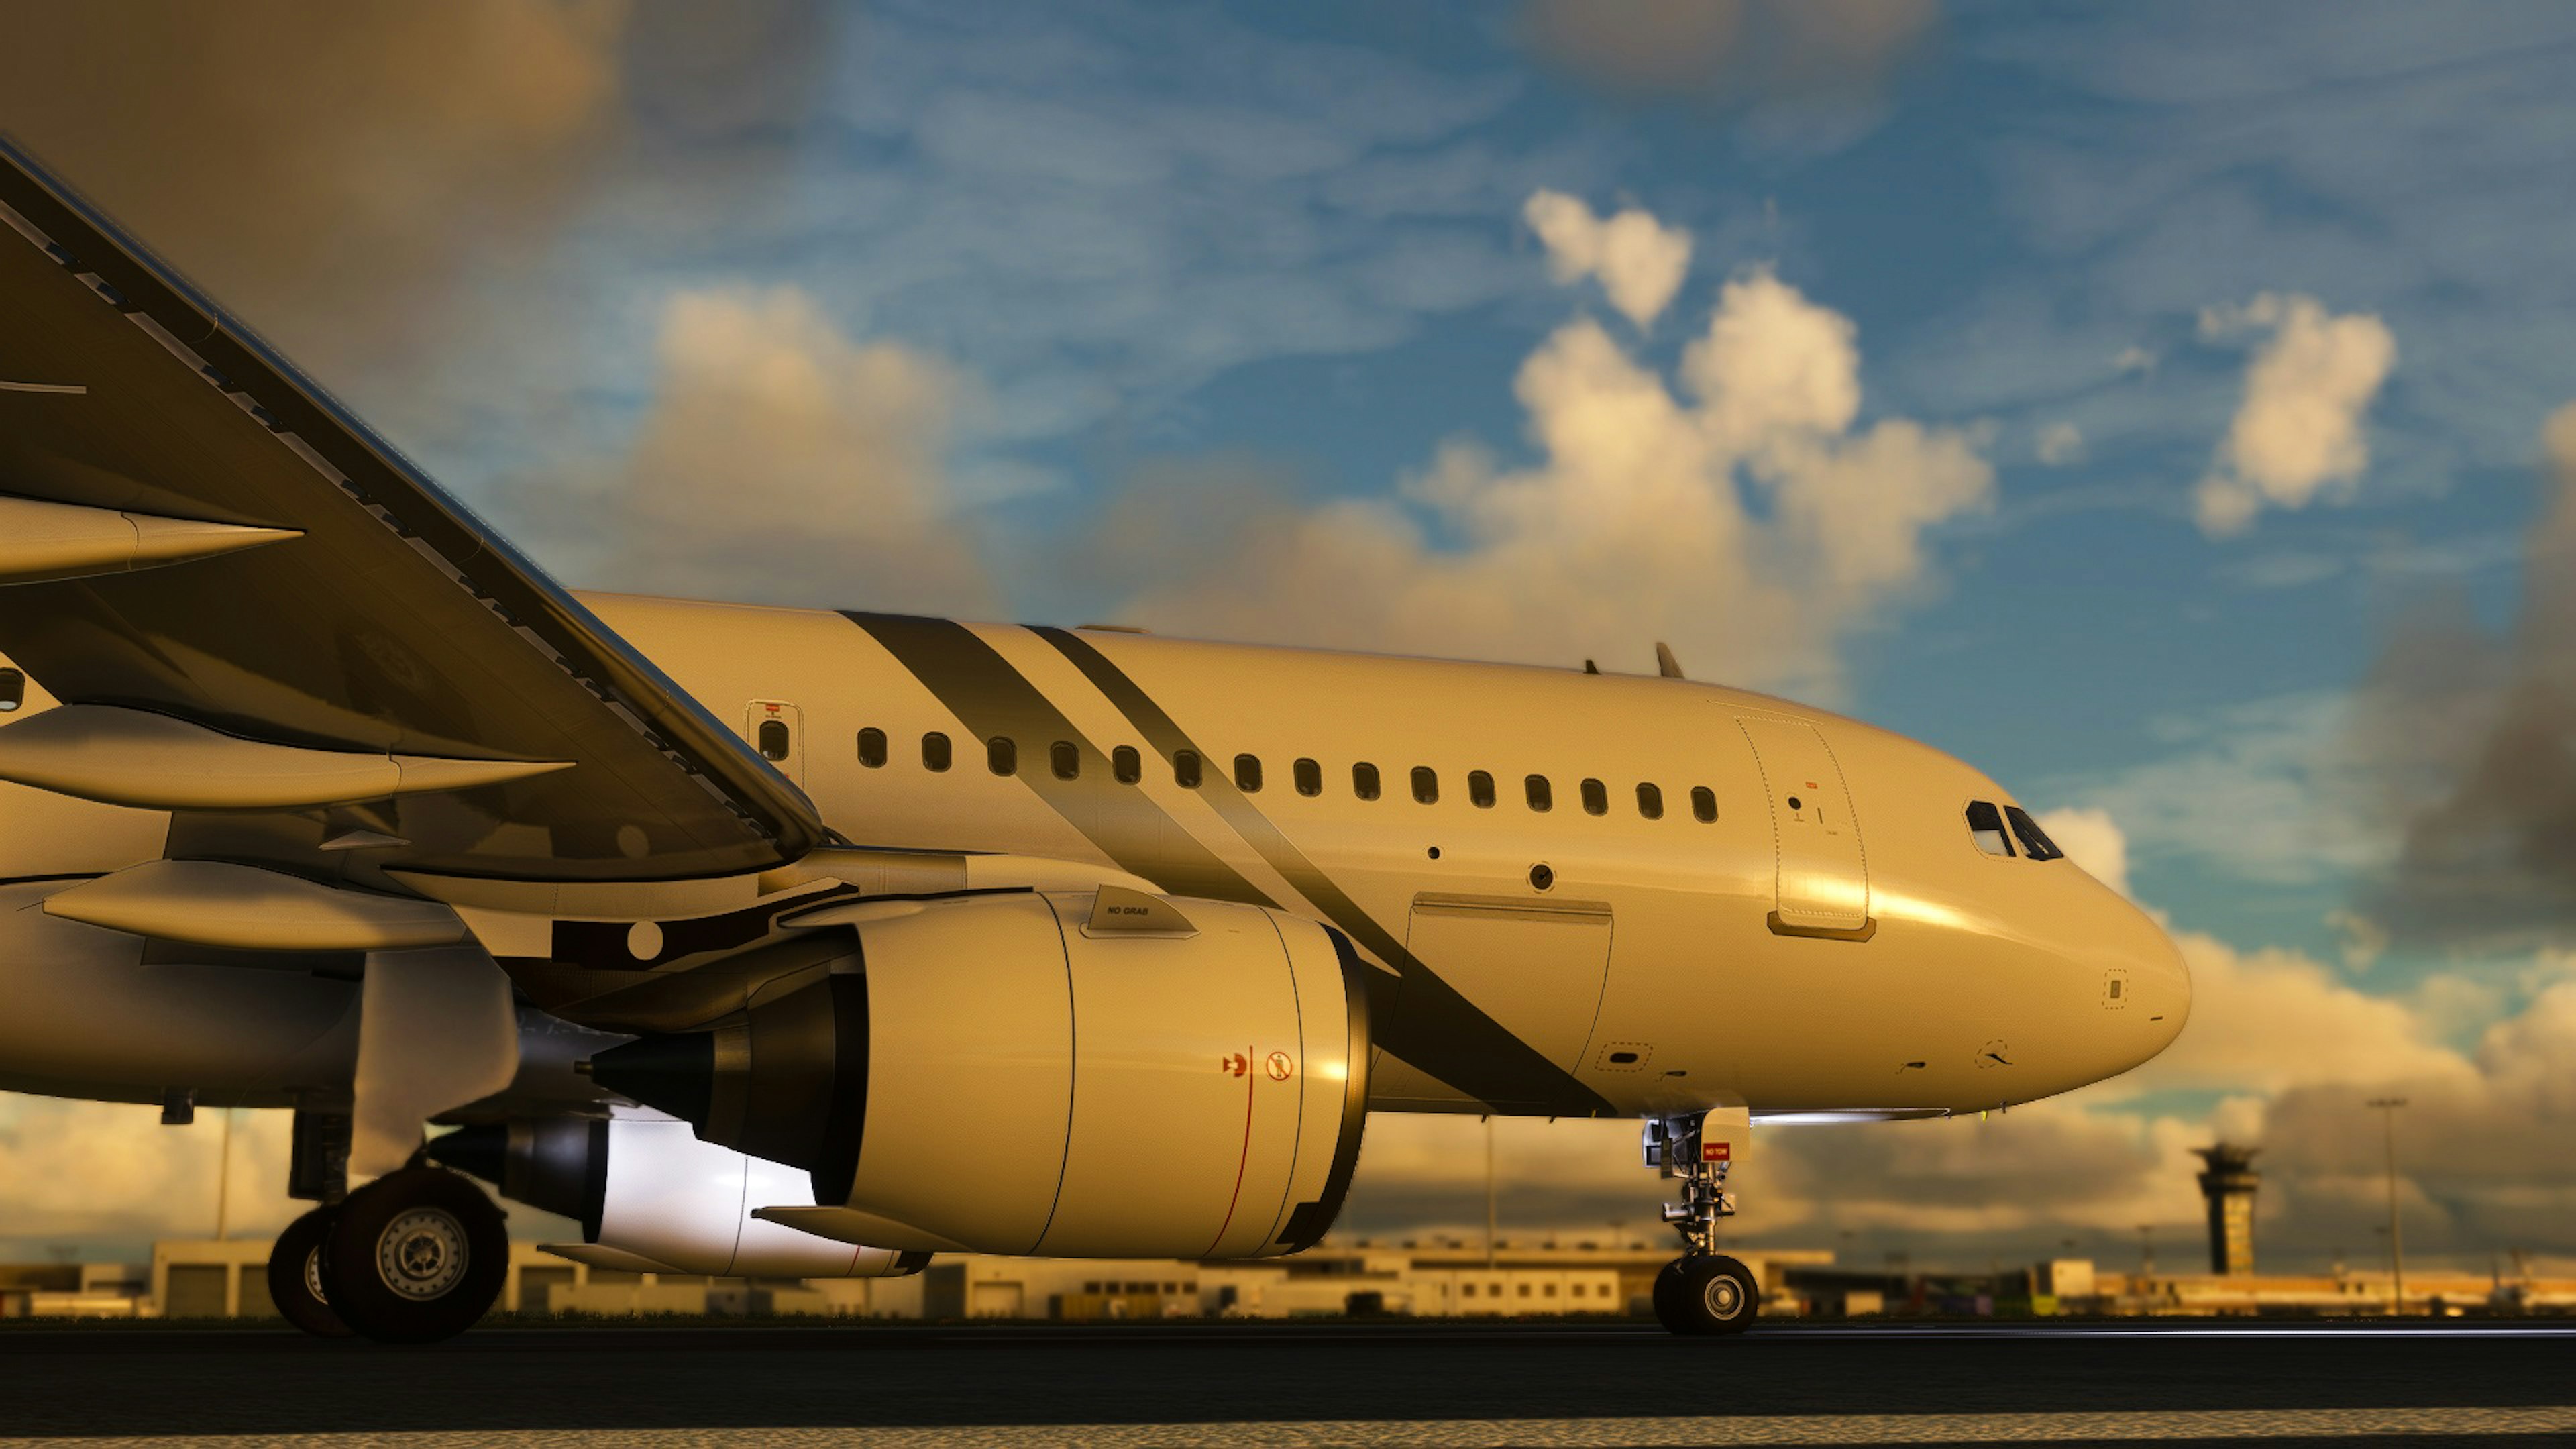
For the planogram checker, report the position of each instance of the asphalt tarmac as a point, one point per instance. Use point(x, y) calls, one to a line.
point(1254, 1383)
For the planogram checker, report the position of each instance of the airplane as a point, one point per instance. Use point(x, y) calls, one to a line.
point(808, 943)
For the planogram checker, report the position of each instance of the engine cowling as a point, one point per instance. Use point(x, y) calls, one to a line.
point(647, 1186)
point(1099, 1074)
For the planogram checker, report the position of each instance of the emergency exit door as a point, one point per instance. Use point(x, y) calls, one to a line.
point(1823, 885)
point(777, 730)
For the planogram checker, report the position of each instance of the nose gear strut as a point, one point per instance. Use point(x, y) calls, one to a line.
point(1703, 1291)
point(1683, 1147)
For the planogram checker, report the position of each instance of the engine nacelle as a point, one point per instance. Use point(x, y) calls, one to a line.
point(648, 1187)
point(1103, 1074)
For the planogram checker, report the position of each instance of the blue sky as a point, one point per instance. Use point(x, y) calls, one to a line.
point(1062, 276)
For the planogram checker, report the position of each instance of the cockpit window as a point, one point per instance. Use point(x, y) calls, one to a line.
point(1986, 827)
point(2034, 841)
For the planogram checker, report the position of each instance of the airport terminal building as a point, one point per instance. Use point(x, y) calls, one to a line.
point(227, 1278)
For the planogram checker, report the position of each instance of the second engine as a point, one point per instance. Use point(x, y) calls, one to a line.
point(1099, 1074)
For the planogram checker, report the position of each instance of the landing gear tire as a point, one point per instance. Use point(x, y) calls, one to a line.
point(416, 1256)
point(1706, 1295)
point(295, 1282)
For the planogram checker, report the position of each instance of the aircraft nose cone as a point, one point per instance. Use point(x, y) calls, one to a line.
point(2154, 983)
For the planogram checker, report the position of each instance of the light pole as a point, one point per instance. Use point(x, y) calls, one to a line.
point(1489, 1191)
point(2396, 1245)
point(224, 1178)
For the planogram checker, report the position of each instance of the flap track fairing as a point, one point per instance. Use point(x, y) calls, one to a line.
point(121, 756)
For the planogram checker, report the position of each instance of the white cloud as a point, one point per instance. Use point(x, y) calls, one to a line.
point(778, 454)
point(1639, 261)
point(103, 1179)
point(2135, 359)
point(2268, 1020)
point(1750, 520)
point(2092, 840)
point(2298, 433)
point(2058, 444)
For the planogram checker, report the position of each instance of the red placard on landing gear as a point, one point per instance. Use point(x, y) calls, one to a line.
point(1714, 1151)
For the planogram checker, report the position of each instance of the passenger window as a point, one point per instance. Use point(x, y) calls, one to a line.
point(773, 739)
point(1065, 758)
point(872, 748)
point(1596, 798)
point(2034, 841)
point(934, 752)
point(1364, 780)
point(1426, 785)
point(1704, 804)
point(1002, 756)
point(1650, 801)
point(1126, 764)
point(1541, 798)
point(1185, 769)
point(1480, 790)
point(1247, 773)
point(13, 690)
point(1986, 827)
point(1310, 777)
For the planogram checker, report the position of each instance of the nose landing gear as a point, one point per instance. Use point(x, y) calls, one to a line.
point(1703, 1291)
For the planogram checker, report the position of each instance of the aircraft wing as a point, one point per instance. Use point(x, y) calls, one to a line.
point(198, 545)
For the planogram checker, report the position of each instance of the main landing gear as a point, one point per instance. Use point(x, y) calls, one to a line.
point(1703, 1291)
point(412, 1257)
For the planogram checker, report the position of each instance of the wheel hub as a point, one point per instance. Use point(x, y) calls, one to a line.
point(422, 1254)
point(1724, 1297)
point(313, 1274)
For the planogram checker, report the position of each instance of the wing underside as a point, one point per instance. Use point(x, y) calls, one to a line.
point(200, 534)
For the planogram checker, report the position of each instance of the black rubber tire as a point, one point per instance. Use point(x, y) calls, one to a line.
point(295, 1282)
point(416, 1256)
point(1712, 1295)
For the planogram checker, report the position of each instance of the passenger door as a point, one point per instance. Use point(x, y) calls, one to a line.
point(1823, 885)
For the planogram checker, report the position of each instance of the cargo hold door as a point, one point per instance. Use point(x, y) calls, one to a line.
point(1823, 887)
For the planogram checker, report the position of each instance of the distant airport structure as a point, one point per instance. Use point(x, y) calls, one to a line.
point(2229, 1184)
point(226, 1278)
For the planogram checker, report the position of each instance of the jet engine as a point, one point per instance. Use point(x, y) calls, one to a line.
point(1097, 1074)
point(647, 1187)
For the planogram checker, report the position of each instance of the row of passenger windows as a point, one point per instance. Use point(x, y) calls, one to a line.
point(1189, 771)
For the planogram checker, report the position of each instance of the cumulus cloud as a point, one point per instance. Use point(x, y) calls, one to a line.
point(1639, 260)
point(2058, 444)
point(2271, 1019)
point(2092, 840)
point(1750, 519)
point(1723, 50)
point(2466, 733)
point(779, 458)
point(102, 1179)
point(2299, 432)
point(332, 173)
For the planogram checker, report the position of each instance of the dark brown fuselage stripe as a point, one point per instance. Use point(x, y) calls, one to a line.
point(991, 697)
point(1430, 1025)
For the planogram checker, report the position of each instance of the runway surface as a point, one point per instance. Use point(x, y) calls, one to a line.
point(1244, 1383)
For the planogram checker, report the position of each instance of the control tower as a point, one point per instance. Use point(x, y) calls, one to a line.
point(2229, 1186)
